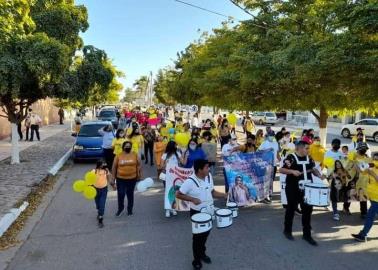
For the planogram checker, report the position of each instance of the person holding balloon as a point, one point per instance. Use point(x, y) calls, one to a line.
point(127, 171)
point(101, 185)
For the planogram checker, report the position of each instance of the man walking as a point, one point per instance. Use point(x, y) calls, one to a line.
point(61, 116)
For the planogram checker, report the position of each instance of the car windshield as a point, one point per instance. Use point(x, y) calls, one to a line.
point(270, 114)
point(107, 114)
point(90, 130)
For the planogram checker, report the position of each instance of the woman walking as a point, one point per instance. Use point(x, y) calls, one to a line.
point(224, 133)
point(118, 142)
point(193, 153)
point(159, 149)
point(127, 171)
point(101, 185)
point(149, 139)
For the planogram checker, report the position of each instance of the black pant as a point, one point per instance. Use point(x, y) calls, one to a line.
point(149, 148)
point(199, 241)
point(27, 133)
point(126, 187)
point(224, 140)
point(19, 130)
point(36, 129)
point(109, 157)
point(295, 197)
point(61, 119)
point(363, 208)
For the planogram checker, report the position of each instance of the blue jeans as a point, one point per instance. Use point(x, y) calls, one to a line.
point(100, 200)
point(226, 187)
point(370, 218)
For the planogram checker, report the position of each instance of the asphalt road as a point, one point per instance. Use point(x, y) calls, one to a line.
point(67, 237)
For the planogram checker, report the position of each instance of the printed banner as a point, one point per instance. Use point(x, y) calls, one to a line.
point(249, 176)
point(175, 177)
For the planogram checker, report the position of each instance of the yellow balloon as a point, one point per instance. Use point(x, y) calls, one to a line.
point(329, 162)
point(182, 139)
point(78, 185)
point(232, 119)
point(89, 192)
point(352, 155)
point(90, 178)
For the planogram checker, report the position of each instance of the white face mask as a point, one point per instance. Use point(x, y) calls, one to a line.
point(193, 147)
point(270, 138)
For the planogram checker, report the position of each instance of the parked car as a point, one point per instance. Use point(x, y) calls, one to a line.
point(88, 141)
point(369, 125)
point(263, 118)
point(109, 115)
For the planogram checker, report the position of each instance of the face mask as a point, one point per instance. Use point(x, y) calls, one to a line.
point(233, 142)
point(121, 135)
point(317, 143)
point(362, 152)
point(249, 143)
point(127, 149)
point(270, 138)
point(360, 139)
point(192, 147)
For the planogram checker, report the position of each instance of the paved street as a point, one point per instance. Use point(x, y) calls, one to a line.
point(67, 237)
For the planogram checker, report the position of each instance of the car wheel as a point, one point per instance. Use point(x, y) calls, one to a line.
point(345, 133)
point(261, 122)
point(375, 137)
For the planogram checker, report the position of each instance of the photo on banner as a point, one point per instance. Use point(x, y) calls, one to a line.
point(175, 177)
point(249, 176)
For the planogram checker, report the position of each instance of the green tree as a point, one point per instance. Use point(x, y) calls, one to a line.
point(37, 44)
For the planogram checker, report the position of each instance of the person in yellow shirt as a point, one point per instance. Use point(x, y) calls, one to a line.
point(101, 186)
point(372, 192)
point(137, 141)
point(317, 151)
point(163, 131)
point(249, 126)
point(118, 142)
point(259, 137)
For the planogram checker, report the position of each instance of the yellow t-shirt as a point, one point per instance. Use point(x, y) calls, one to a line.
point(317, 152)
point(372, 187)
point(137, 142)
point(363, 178)
point(117, 145)
point(249, 126)
point(164, 132)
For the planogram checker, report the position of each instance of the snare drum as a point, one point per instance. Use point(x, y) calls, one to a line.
point(223, 218)
point(283, 188)
point(201, 223)
point(234, 208)
point(316, 194)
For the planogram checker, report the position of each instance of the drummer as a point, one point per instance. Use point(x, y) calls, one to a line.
point(293, 168)
point(199, 191)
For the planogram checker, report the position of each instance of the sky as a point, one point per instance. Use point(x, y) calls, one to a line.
point(145, 35)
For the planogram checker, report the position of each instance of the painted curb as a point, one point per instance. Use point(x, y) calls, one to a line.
point(7, 220)
point(54, 170)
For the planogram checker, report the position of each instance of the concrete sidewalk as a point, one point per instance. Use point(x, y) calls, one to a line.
point(45, 133)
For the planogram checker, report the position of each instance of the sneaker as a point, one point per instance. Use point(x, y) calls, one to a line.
point(336, 217)
point(197, 265)
point(206, 259)
point(119, 213)
point(130, 213)
point(174, 212)
point(167, 213)
point(267, 201)
point(298, 211)
point(310, 240)
point(289, 236)
point(359, 237)
point(100, 222)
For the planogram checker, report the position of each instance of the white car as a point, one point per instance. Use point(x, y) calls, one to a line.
point(369, 126)
point(263, 118)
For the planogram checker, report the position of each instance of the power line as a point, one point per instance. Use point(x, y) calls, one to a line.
point(204, 9)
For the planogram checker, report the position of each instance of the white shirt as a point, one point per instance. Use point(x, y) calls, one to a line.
point(35, 119)
point(266, 145)
point(199, 189)
point(107, 138)
point(173, 160)
point(195, 122)
point(227, 149)
point(334, 155)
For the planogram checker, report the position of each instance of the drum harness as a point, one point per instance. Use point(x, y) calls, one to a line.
point(210, 207)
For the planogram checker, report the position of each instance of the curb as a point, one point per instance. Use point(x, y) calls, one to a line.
point(54, 170)
point(7, 220)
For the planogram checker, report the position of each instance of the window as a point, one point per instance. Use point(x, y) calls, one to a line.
point(371, 122)
point(107, 113)
point(269, 114)
point(90, 130)
point(363, 122)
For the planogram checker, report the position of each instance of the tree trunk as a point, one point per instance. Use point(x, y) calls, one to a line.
point(15, 149)
point(247, 113)
point(323, 117)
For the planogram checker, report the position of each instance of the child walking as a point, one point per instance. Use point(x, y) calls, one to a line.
point(101, 185)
